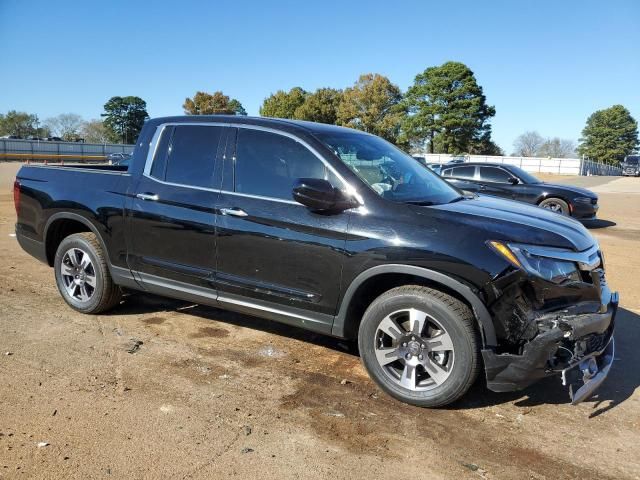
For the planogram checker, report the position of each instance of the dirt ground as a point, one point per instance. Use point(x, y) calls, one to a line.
point(212, 394)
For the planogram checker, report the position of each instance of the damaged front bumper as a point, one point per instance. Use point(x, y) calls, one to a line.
point(574, 344)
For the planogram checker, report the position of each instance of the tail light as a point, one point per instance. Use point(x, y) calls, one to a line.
point(16, 196)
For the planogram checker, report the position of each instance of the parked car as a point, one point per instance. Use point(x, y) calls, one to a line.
point(119, 158)
point(336, 231)
point(512, 182)
point(455, 161)
point(433, 165)
point(631, 166)
point(55, 139)
point(436, 167)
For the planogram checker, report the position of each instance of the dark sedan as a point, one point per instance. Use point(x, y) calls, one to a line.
point(509, 181)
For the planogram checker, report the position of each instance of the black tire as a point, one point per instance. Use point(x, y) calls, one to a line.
point(105, 294)
point(551, 203)
point(456, 320)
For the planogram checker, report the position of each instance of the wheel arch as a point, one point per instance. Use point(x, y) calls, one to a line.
point(61, 225)
point(376, 280)
point(547, 196)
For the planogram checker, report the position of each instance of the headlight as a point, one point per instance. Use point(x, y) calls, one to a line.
point(551, 269)
point(582, 200)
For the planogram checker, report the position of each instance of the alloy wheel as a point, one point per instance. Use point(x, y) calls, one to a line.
point(553, 206)
point(78, 274)
point(414, 350)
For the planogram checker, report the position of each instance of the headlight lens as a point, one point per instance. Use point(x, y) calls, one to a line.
point(553, 270)
point(582, 200)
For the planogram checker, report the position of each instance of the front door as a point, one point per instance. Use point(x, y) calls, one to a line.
point(496, 181)
point(171, 219)
point(272, 251)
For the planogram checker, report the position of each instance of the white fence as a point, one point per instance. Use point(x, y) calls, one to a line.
point(559, 166)
point(18, 149)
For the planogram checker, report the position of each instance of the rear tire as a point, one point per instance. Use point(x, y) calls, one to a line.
point(82, 274)
point(555, 205)
point(420, 345)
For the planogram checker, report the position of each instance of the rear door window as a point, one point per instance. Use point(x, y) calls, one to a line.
point(463, 172)
point(186, 155)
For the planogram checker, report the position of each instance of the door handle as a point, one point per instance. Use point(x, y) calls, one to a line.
point(234, 212)
point(147, 196)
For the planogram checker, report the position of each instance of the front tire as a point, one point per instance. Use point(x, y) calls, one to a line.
point(82, 274)
point(420, 345)
point(556, 205)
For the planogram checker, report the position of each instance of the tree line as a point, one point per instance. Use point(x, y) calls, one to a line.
point(122, 121)
point(443, 111)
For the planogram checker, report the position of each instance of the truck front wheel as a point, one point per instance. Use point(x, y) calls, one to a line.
point(420, 345)
point(82, 274)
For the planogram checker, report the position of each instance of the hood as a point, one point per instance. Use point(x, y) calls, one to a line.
point(570, 188)
point(516, 222)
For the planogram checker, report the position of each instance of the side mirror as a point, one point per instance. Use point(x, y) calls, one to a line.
point(514, 181)
point(320, 195)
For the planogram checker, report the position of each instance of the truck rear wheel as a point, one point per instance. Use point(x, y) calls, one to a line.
point(420, 345)
point(82, 274)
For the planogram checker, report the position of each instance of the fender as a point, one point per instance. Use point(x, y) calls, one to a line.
point(121, 276)
point(481, 313)
point(79, 218)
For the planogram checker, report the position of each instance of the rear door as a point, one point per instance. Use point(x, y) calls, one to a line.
point(171, 220)
point(273, 252)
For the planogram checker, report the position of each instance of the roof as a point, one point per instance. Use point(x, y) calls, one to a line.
point(275, 123)
point(479, 164)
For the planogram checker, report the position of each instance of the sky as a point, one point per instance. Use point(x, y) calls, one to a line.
point(544, 65)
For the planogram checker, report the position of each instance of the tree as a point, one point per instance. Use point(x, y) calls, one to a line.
point(216, 103)
point(557, 148)
point(485, 146)
point(609, 135)
point(66, 125)
point(237, 107)
point(283, 104)
point(21, 124)
point(95, 131)
point(373, 105)
point(448, 102)
point(124, 117)
point(320, 106)
point(528, 144)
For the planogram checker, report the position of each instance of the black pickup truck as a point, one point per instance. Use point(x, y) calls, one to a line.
point(336, 231)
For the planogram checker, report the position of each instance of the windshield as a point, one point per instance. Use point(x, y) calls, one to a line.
point(389, 172)
point(633, 160)
point(524, 176)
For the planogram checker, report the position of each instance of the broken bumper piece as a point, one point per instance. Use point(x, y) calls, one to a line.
point(594, 370)
point(577, 344)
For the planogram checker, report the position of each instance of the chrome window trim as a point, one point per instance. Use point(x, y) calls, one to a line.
point(584, 259)
point(153, 145)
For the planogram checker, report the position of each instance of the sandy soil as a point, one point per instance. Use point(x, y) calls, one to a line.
point(212, 394)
